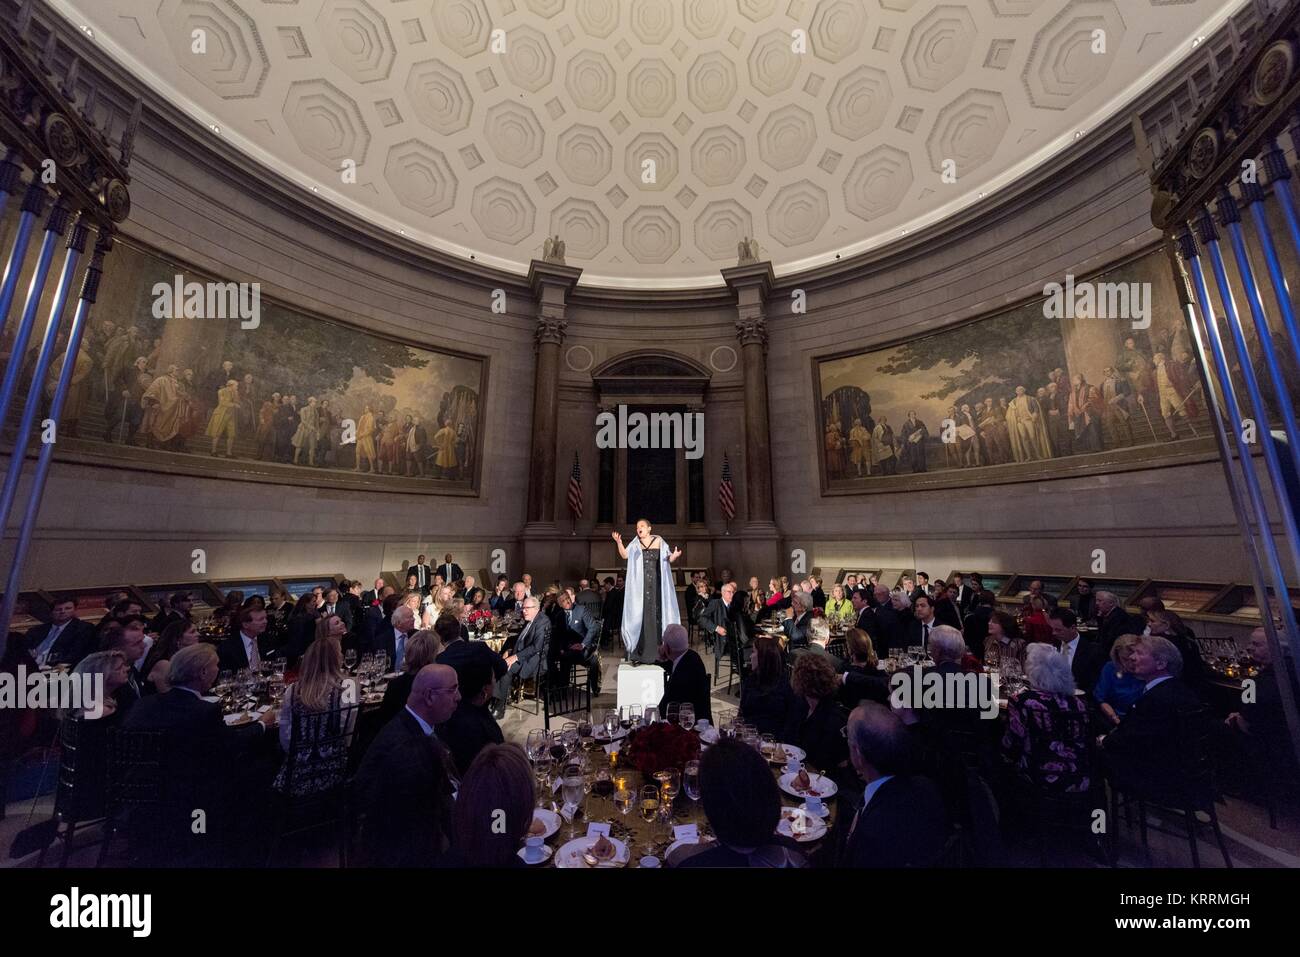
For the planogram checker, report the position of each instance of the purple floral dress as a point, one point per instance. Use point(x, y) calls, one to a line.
point(1047, 740)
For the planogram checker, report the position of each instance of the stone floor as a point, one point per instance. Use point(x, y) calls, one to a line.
point(1251, 842)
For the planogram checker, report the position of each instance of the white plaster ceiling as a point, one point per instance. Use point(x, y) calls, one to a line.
point(484, 154)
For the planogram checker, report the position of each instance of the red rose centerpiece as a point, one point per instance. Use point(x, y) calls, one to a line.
point(660, 746)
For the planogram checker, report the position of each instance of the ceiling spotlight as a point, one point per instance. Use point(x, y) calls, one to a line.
point(216, 129)
point(87, 31)
point(1197, 42)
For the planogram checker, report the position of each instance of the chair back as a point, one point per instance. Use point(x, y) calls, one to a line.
point(83, 774)
point(136, 763)
point(319, 747)
point(838, 647)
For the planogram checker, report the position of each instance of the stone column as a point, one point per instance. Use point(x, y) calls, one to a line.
point(751, 284)
point(551, 284)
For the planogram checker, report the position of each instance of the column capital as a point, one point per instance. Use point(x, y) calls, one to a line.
point(551, 283)
point(752, 331)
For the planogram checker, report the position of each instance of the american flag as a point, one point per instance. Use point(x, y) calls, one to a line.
point(726, 491)
point(575, 488)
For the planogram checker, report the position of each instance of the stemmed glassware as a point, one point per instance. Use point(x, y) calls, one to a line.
point(691, 780)
point(686, 716)
point(674, 709)
point(574, 792)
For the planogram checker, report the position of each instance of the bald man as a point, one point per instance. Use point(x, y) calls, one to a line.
point(688, 681)
point(406, 784)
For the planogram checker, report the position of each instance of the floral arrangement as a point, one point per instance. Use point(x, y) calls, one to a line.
point(660, 746)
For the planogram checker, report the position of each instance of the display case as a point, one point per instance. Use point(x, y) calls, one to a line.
point(862, 574)
point(1183, 597)
point(1016, 587)
point(204, 594)
point(31, 609)
point(993, 581)
point(1125, 589)
point(92, 603)
point(892, 578)
point(298, 586)
point(1236, 603)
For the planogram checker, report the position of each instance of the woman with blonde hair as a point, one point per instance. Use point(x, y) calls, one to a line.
point(318, 717)
point(1118, 687)
point(838, 606)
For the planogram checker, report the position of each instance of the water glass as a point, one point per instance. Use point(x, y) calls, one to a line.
point(686, 716)
point(674, 709)
point(651, 716)
point(691, 780)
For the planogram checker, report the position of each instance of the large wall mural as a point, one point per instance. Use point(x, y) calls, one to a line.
point(288, 397)
point(1057, 383)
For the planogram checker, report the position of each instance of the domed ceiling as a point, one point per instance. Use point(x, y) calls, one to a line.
point(651, 135)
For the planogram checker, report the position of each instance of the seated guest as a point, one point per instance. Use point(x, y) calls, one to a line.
point(1004, 642)
point(743, 806)
point(1113, 620)
point(177, 609)
point(1033, 620)
point(127, 636)
point(1262, 721)
point(458, 651)
point(839, 605)
point(815, 722)
point(65, 640)
point(945, 609)
point(796, 626)
point(1118, 687)
point(401, 627)
point(815, 592)
point(1048, 753)
point(1142, 752)
point(503, 598)
point(471, 726)
point(902, 607)
point(922, 623)
point(1082, 654)
point(765, 694)
point(86, 730)
point(819, 636)
point(1085, 602)
point(374, 596)
point(975, 626)
point(494, 809)
point(300, 628)
point(405, 785)
point(864, 615)
point(578, 642)
point(901, 821)
point(688, 681)
point(245, 649)
point(317, 718)
point(889, 622)
point(952, 710)
point(778, 598)
point(724, 619)
point(862, 678)
point(113, 666)
point(179, 634)
point(201, 758)
point(524, 660)
point(1165, 622)
point(422, 648)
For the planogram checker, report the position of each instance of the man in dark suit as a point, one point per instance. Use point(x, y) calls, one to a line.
point(1085, 602)
point(922, 587)
point(65, 640)
point(471, 726)
point(688, 681)
point(901, 821)
point(961, 593)
point(724, 617)
point(373, 596)
point(945, 609)
point(796, 626)
point(423, 574)
point(204, 759)
point(580, 641)
point(816, 593)
point(449, 570)
point(1143, 751)
point(525, 659)
point(923, 621)
point(866, 616)
point(459, 652)
point(245, 649)
point(350, 608)
point(405, 785)
point(612, 614)
point(129, 640)
point(1113, 621)
point(178, 609)
point(889, 621)
point(1086, 659)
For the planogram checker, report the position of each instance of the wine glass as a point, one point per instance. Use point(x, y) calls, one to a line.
point(691, 780)
point(649, 805)
point(536, 743)
point(767, 745)
point(574, 793)
point(686, 716)
point(350, 658)
point(651, 715)
point(674, 709)
point(634, 715)
point(584, 726)
point(671, 783)
point(569, 734)
point(623, 802)
point(611, 723)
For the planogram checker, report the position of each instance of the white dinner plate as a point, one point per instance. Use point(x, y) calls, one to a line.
point(793, 750)
point(549, 818)
point(570, 855)
point(800, 825)
point(547, 851)
point(823, 785)
point(676, 844)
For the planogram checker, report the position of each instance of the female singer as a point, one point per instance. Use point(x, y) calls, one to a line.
point(650, 599)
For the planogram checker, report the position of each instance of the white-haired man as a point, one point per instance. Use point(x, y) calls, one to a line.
point(796, 626)
point(1113, 620)
point(688, 682)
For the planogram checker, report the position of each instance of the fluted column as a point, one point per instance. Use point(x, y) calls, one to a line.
point(751, 284)
point(551, 284)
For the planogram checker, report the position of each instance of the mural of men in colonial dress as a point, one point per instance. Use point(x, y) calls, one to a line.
point(913, 435)
point(1084, 415)
point(836, 459)
point(225, 417)
point(265, 435)
point(74, 404)
point(860, 444)
point(444, 444)
point(1176, 390)
point(882, 448)
point(993, 430)
point(1115, 393)
point(366, 451)
point(167, 412)
point(304, 439)
point(1029, 440)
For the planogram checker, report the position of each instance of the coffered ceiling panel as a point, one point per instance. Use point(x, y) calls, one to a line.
point(652, 135)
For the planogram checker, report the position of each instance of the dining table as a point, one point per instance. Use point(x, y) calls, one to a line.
point(654, 838)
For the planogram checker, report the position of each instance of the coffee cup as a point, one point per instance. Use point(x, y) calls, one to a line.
point(533, 852)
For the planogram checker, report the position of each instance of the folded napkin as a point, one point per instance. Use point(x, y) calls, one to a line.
point(568, 811)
